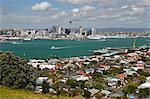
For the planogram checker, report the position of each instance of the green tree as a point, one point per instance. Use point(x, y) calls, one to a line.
point(87, 94)
point(99, 86)
point(15, 72)
point(144, 92)
point(71, 83)
point(142, 79)
point(130, 88)
point(45, 87)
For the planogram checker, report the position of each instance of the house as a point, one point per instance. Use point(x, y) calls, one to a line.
point(89, 71)
point(105, 92)
point(121, 76)
point(93, 92)
point(38, 89)
point(106, 67)
point(40, 80)
point(112, 82)
point(117, 94)
point(69, 65)
point(81, 78)
point(123, 62)
point(140, 65)
point(43, 66)
point(129, 72)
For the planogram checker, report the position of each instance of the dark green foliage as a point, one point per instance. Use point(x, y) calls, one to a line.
point(144, 92)
point(93, 63)
point(96, 75)
point(15, 72)
point(99, 86)
point(142, 72)
point(142, 79)
point(71, 83)
point(81, 84)
point(130, 88)
point(87, 94)
point(45, 87)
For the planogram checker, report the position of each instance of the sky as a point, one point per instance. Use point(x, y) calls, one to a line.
point(87, 13)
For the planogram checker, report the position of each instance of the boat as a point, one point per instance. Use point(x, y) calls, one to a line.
point(16, 43)
point(53, 47)
point(100, 51)
point(56, 48)
point(27, 39)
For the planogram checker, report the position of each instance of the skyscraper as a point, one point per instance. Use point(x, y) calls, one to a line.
point(93, 31)
point(81, 30)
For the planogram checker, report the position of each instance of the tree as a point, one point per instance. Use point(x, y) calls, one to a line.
point(87, 94)
point(144, 92)
point(45, 87)
point(71, 83)
point(142, 72)
point(15, 72)
point(142, 79)
point(99, 86)
point(130, 88)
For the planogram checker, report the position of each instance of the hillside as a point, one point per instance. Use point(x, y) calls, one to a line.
point(9, 93)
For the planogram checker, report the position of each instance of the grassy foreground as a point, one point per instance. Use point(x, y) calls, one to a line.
point(9, 93)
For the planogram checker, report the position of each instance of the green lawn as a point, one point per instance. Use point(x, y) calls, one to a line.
point(9, 93)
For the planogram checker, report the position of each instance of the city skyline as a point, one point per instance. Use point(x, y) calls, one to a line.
point(88, 13)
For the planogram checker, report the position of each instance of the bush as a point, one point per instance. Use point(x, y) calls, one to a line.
point(71, 83)
point(130, 88)
point(15, 72)
point(144, 92)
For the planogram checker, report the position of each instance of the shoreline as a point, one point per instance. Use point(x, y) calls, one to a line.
point(32, 39)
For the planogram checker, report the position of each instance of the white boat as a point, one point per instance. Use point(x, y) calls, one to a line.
point(100, 51)
point(16, 43)
point(27, 39)
point(53, 47)
point(56, 48)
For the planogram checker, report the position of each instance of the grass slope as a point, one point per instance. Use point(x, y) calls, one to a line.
point(9, 93)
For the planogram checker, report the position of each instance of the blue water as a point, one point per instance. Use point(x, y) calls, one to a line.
point(65, 48)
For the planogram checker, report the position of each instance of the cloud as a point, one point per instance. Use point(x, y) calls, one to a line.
point(78, 1)
point(87, 8)
point(90, 12)
point(75, 10)
point(41, 6)
point(124, 7)
point(58, 15)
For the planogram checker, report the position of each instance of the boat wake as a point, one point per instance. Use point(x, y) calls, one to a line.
point(58, 48)
point(16, 43)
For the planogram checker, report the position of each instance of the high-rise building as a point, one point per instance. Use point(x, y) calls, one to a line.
point(81, 30)
point(93, 31)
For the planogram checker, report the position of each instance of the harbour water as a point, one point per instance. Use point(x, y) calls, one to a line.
point(65, 48)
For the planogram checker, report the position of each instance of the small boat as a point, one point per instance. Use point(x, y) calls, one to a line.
point(27, 39)
point(52, 47)
point(16, 43)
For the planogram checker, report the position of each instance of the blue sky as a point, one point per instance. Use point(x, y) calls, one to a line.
point(88, 13)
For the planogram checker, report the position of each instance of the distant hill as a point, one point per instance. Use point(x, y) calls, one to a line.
point(117, 29)
point(121, 29)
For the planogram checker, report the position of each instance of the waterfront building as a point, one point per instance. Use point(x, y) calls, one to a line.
point(81, 30)
point(93, 31)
